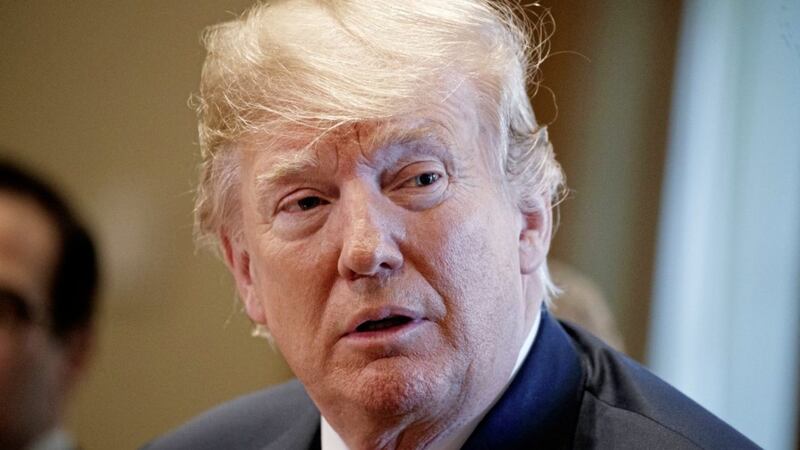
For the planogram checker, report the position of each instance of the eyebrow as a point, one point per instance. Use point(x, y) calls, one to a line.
point(428, 131)
point(299, 163)
point(286, 167)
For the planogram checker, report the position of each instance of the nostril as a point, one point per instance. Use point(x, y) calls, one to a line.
point(379, 260)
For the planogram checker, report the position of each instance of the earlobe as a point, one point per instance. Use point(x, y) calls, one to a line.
point(237, 258)
point(534, 239)
point(78, 349)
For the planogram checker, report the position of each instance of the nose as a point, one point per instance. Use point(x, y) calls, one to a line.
point(369, 237)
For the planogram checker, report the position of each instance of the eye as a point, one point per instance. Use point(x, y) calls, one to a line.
point(301, 204)
point(426, 179)
point(418, 185)
point(424, 185)
point(309, 203)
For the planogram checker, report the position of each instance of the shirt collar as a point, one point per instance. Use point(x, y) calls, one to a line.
point(55, 439)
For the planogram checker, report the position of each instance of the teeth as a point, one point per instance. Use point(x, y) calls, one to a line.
point(389, 322)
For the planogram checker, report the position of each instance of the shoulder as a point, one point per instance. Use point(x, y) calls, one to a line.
point(249, 422)
point(625, 406)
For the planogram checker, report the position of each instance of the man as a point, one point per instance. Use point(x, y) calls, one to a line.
point(48, 278)
point(381, 193)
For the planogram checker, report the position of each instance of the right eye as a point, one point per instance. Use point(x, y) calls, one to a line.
point(303, 203)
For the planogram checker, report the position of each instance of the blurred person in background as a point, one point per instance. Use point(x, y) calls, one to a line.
point(382, 195)
point(48, 283)
point(582, 302)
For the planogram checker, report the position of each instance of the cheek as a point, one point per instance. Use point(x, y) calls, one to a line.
point(27, 369)
point(7, 362)
point(293, 283)
point(470, 258)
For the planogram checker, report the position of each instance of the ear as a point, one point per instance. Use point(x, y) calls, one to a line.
point(77, 347)
point(534, 237)
point(237, 258)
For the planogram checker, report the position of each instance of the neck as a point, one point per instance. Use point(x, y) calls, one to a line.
point(411, 430)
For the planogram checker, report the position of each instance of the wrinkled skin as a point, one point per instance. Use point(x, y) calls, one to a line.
point(406, 217)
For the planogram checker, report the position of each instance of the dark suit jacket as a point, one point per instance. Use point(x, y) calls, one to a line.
point(572, 391)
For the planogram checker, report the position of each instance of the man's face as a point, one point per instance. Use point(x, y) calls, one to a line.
point(386, 264)
point(28, 356)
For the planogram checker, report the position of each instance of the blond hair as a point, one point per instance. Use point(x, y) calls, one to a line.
point(307, 67)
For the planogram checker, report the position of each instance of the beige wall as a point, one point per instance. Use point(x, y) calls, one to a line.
point(611, 72)
point(94, 93)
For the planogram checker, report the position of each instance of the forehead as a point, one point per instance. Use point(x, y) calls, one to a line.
point(28, 246)
point(453, 125)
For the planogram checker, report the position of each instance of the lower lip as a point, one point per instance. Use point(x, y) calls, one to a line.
point(386, 335)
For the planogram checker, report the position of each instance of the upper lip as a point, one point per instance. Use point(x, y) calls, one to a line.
point(379, 314)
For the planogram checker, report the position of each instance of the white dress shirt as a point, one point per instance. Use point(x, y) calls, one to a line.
point(55, 439)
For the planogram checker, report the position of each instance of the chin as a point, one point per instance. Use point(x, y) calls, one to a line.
point(391, 388)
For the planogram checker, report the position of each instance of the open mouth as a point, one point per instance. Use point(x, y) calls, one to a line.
point(383, 324)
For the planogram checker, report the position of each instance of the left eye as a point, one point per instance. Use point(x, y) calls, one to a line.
point(309, 203)
point(426, 179)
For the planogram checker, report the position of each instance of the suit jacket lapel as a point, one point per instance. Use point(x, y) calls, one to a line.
point(540, 407)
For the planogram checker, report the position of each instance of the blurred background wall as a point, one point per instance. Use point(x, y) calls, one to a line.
point(94, 94)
